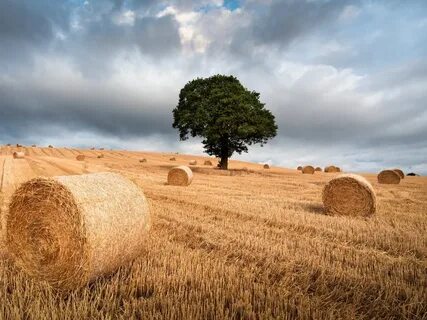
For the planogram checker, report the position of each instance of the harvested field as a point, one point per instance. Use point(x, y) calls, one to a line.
point(253, 245)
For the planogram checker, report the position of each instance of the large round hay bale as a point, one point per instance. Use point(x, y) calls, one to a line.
point(142, 160)
point(299, 168)
point(338, 169)
point(172, 159)
point(388, 177)
point(18, 155)
point(50, 146)
point(180, 176)
point(349, 194)
point(266, 166)
point(193, 162)
point(208, 163)
point(70, 230)
point(80, 157)
point(308, 170)
point(400, 173)
point(318, 169)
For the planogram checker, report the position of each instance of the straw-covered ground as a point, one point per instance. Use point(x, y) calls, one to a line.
point(252, 244)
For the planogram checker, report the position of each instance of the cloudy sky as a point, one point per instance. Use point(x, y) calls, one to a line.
point(346, 80)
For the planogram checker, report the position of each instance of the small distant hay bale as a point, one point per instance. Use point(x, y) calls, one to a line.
point(33, 145)
point(266, 166)
point(412, 174)
point(70, 230)
point(142, 160)
point(338, 169)
point(50, 146)
point(8, 144)
point(299, 168)
point(330, 169)
point(388, 177)
point(349, 194)
point(318, 169)
point(19, 145)
point(80, 157)
point(193, 162)
point(18, 155)
point(308, 170)
point(172, 159)
point(207, 163)
point(400, 173)
point(100, 156)
point(180, 176)
point(101, 148)
point(93, 148)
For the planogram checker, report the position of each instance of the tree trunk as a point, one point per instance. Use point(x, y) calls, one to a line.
point(223, 164)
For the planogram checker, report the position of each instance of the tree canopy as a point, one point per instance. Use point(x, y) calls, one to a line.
point(225, 114)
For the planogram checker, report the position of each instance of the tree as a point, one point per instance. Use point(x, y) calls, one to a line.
point(225, 114)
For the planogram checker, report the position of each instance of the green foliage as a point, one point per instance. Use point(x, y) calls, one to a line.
point(224, 113)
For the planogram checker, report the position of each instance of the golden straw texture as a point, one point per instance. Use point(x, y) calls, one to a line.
point(349, 194)
point(18, 155)
point(180, 176)
point(308, 170)
point(400, 173)
point(69, 230)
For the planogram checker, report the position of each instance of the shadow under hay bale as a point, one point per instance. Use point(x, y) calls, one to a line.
point(56, 233)
point(180, 176)
point(349, 194)
point(400, 173)
point(18, 155)
point(388, 177)
point(308, 170)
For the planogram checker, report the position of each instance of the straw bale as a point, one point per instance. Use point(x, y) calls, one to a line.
point(318, 169)
point(266, 166)
point(400, 173)
point(193, 162)
point(180, 176)
point(69, 230)
point(208, 163)
point(299, 168)
point(388, 177)
point(308, 170)
point(349, 194)
point(80, 157)
point(18, 155)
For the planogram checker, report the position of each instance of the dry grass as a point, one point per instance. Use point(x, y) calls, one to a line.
point(251, 246)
